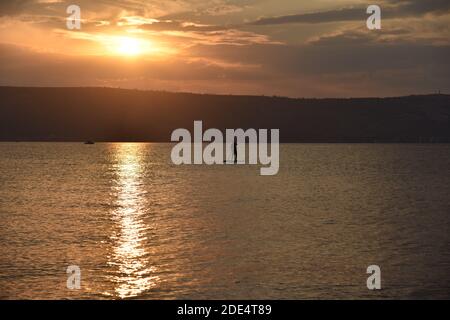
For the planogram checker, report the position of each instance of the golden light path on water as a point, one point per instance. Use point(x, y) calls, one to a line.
point(134, 273)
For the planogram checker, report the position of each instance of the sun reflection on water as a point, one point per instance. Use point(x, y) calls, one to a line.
point(130, 257)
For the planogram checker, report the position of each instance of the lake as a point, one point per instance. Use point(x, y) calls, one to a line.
point(140, 227)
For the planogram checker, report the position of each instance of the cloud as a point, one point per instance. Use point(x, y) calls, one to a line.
point(429, 30)
point(170, 25)
point(349, 14)
point(230, 37)
point(223, 9)
point(420, 7)
point(390, 9)
point(14, 7)
point(205, 34)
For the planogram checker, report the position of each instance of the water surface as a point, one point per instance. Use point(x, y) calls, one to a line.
point(140, 227)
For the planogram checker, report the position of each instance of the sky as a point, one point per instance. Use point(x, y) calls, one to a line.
point(295, 48)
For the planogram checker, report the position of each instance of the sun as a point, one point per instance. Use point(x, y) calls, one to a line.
point(129, 46)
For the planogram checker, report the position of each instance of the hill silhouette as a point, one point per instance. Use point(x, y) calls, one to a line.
point(107, 114)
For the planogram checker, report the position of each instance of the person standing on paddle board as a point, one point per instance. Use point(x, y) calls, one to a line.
point(235, 151)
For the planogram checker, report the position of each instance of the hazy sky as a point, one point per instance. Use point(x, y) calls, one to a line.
point(299, 48)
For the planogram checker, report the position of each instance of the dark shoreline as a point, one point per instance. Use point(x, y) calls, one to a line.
point(107, 114)
point(285, 142)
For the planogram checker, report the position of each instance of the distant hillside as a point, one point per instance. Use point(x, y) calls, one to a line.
point(105, 114)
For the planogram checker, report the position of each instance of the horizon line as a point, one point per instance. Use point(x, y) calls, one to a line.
point(439, 93)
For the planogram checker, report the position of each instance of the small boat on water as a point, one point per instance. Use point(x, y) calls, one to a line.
point(89, 142)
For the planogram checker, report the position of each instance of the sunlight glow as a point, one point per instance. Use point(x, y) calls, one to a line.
point(130, 46)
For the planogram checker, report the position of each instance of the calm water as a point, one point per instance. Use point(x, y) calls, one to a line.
point(140, 227)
